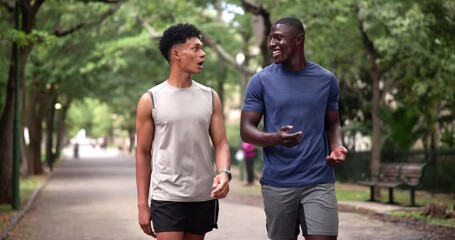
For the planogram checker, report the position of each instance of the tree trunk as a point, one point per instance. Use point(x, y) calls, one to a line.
point(50, 129)
point(23, 145)
point(35, 116)
point(28, 13)
point(61, 129)
point(259, 11)
point(6, 121)
point(6, 136)
point(376, 120)
point(375, 78)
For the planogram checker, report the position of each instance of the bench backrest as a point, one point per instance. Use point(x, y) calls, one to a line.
point(411, 173)
point(389, 172)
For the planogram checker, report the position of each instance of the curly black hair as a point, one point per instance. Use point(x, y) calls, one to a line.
point(176, 34)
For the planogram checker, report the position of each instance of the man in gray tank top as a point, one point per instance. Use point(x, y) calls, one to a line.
point(177, 124)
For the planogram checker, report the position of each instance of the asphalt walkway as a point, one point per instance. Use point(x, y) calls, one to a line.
point(94, 197)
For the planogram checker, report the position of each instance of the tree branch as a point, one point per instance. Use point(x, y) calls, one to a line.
point(9, 8)
point(206, 39)
point(152, 33)
point(258, 9)
point(102, 17)
point(365, 39)
point(36, 5)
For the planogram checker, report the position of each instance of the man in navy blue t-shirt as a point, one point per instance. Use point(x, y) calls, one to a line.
point(301, 138)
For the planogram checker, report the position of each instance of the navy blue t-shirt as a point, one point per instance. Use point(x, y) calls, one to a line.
point(301, 99)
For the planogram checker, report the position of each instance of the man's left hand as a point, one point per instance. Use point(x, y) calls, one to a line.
point(220, 186)
point(337, 156)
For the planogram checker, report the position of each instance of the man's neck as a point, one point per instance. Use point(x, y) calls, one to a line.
point(296, 64)
point(179, 79)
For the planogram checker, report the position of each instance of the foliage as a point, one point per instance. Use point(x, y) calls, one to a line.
point(233, 136)
point(93, 116)
point(109, 65)
point(400, 127)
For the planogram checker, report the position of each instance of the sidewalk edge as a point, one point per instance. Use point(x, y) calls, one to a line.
point(18, 216)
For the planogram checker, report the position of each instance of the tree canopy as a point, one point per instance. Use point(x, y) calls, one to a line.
point(97, 58)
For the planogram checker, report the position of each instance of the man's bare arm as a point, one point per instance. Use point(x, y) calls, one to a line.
point(333, 131)
point(144, 130)
point(222, 153)
point(250, 132)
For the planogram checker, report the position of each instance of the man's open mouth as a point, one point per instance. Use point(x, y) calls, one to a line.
point(276, 52)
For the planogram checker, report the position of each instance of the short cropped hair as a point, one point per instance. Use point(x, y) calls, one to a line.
point(293, 22)
point(176, 34)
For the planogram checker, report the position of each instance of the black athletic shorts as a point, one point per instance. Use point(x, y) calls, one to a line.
point(193, 217)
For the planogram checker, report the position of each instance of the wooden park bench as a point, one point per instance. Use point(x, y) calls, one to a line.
point(396, 175)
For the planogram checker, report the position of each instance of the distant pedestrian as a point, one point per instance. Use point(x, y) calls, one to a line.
point(301, 140)
point(76, 150)
point(177, 123)
point(250, 153)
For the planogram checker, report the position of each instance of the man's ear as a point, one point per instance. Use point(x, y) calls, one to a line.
point(175, 54)
point(300, 39)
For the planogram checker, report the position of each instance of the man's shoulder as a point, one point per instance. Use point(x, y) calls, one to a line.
point(320, 69)
point(270, 68)
point(202, 86)
point(267, 71)
point(157, 87)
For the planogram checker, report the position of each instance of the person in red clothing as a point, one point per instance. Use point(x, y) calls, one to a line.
point(250, 155)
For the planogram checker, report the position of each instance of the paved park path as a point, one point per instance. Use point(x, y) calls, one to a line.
point(94, 197)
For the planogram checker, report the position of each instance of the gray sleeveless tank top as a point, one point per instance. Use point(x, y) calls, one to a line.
point(182, 165)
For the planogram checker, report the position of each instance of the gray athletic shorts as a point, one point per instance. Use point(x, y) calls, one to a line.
point(314, 208)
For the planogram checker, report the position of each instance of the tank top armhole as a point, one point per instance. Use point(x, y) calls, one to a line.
point(153, 99)
point(213, 101)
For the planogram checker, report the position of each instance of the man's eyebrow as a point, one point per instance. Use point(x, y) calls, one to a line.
point(276, 34)
point(198, 45)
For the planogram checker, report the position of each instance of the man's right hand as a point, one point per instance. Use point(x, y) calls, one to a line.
point(145, 220)
point(289, 139)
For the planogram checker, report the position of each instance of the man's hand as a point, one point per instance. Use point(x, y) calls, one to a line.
point(337, 156)
point(145, 220)
point(220, 186)
point(289, 139)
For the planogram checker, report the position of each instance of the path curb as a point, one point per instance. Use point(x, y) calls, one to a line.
point(18, 216)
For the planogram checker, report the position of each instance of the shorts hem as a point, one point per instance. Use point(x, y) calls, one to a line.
point(282, 238)
point(198, 233)
point(168, 230)
point(323, 234)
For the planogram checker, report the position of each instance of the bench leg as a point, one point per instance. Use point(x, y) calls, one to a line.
point(413, 200)
point(372, 194)
point(391, 195)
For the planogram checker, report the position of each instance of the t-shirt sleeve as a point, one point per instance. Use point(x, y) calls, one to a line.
point(332, 104)
point(254, 100)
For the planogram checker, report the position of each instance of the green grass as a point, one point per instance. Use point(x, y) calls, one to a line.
point(26, 188)
point(352, 192)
